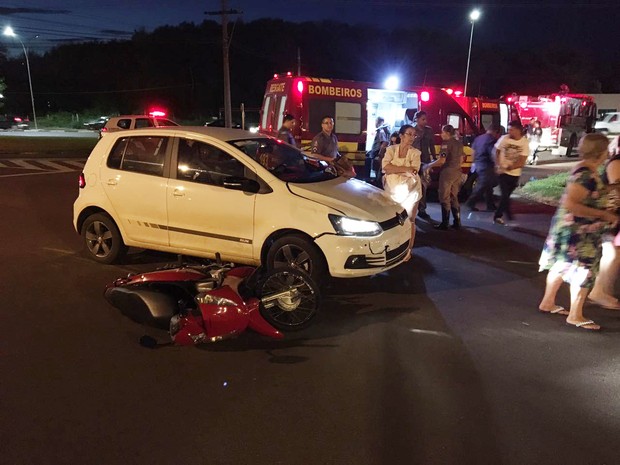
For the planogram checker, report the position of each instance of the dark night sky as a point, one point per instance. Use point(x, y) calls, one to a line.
point(592, 26)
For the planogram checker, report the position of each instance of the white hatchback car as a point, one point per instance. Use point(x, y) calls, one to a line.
point(610, 124)
point(254, 199)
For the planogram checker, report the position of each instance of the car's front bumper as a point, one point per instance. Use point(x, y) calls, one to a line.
point(350, 257)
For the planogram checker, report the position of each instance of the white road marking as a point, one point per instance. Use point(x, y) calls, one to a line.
point(50, 165)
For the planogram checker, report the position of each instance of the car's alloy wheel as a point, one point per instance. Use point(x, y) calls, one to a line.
point(103, 239)
point(297, 252)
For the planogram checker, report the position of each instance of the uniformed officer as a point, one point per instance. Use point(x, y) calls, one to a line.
point(424, 143)
point(450, 178)
point(484, 164)
point(325, 144)
point(286, 131)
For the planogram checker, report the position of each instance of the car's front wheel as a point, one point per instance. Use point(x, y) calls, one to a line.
point(102, 238)
point(297, 252)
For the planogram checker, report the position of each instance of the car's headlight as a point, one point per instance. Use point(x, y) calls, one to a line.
point(352, 227)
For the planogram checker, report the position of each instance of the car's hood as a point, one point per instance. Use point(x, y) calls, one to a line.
point(600, 124)
point(351, 197)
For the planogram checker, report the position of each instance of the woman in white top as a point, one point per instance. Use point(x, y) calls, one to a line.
point(400, 165)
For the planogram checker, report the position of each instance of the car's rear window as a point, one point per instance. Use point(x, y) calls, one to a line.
point(139, 154)
point(165, 122)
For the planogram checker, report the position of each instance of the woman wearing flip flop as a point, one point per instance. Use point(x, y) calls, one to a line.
point(572, 251)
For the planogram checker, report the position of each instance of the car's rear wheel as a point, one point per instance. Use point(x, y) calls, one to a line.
point(102, 238)
point(297, 252)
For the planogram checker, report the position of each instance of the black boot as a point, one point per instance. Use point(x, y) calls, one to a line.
point(445, 219)
point(456, 215)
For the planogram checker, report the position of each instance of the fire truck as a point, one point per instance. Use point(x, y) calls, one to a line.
point(564, 118)
point(355, 106)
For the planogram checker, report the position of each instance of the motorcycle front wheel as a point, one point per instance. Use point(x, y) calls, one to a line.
point(289, 298)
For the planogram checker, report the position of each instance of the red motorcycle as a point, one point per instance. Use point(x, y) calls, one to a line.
point(211, 302)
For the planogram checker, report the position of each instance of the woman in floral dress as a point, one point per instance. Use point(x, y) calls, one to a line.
point(572, 251)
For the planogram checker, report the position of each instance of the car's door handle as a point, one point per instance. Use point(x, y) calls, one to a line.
point(112, 182)
point(178, 193)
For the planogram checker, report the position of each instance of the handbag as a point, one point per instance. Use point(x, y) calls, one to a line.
point(344, 167)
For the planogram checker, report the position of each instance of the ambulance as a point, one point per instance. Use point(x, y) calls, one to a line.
point(564, 118)
point(356, 105)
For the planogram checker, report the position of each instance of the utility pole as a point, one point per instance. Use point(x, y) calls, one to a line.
point(224, 12)
point(298, 61)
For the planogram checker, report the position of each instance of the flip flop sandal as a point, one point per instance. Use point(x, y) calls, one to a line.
point(584, 323)
point(558, 310)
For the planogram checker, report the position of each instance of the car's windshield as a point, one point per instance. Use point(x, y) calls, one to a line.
point(284, 161)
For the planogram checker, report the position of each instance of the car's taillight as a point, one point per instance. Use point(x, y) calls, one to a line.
point(104, 129)
point(82, 181)
point(18, 119)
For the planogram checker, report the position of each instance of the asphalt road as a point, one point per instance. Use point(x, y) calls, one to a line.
point(444, 360)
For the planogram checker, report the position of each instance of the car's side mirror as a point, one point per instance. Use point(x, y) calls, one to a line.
point(241, 184)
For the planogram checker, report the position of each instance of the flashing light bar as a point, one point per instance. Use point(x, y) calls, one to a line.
point(157, 113)
point(425, 96)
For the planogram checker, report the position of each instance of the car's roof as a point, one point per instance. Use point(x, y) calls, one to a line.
point(223, 134)
point(138, 116)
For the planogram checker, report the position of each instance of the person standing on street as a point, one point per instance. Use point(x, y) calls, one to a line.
point(401, 165)
point(484, 163)
point(324, 147)
point(425, 143)
point(378, 146)
point(286, 131)
point(604, 287)
point(512, 152)
point(572, 251)
point(451, 157)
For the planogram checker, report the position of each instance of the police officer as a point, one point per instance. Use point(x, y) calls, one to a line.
point(324, 145)
point(424, 143)
point(286, 131)
point(450, 178)
point(484, 163)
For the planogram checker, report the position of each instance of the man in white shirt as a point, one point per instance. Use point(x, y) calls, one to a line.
point(512, 151)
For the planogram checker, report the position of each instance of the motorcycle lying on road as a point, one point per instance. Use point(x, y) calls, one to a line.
point(210, 302)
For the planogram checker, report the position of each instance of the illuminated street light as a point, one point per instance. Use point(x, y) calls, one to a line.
point(391, 83)
point(473, 17)
point(9, 32)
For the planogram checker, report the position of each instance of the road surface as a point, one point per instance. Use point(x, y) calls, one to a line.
point(444, 360)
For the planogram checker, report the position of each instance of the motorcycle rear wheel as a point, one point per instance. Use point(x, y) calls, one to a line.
point(290, 298)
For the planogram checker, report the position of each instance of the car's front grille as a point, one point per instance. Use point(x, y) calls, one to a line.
point(398, 220)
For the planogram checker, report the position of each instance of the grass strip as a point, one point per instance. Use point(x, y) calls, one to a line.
point(547, 190)
point(20, 145)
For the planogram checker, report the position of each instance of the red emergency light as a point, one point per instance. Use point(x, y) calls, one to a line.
point(289, 74)
point(157, 113)
point(425, 96)
point(458, 93)
point(300, 87)
point(275, 76)
point(449, 91)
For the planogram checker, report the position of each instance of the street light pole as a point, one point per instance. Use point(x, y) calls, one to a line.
point(8, 31)
point(473, 16)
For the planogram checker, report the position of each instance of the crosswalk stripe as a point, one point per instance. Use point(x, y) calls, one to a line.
point(25, 164)
point(56, 166)
point(44, 164)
